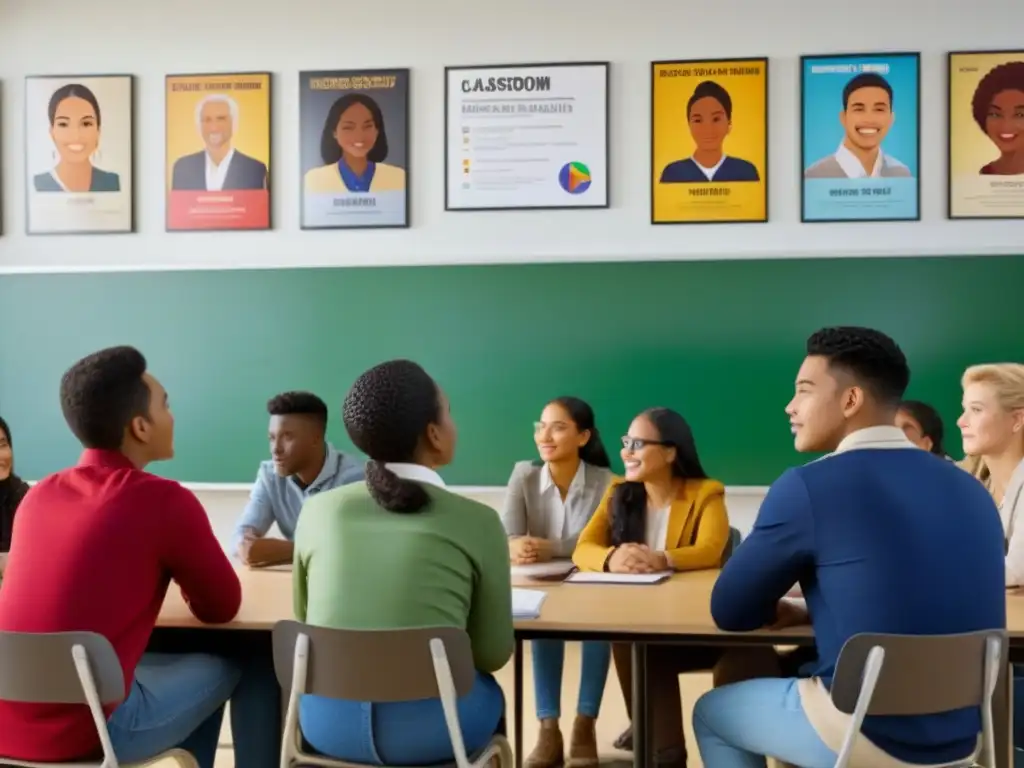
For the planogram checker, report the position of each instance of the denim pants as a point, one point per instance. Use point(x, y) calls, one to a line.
point(400, 733)
point(548, 660)
point(256, 700)
point(175, 701)
point(737, 725)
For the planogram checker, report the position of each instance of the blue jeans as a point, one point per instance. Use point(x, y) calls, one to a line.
point(737, 725)
point(400, 733)
point(548, 660)
point(175, 701)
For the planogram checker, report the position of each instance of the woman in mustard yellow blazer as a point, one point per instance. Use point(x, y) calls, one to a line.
point(666, 514)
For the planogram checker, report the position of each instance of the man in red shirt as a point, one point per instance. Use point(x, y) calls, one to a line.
point(94, 549)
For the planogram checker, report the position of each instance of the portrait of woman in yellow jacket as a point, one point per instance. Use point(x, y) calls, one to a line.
point(666, 514)
point(354, 146)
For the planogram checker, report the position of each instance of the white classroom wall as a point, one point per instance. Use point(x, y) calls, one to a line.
point(153, 39)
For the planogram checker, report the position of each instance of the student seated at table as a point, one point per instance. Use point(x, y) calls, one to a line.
point(868, 532)
point(547, 504)
point(302, 464)
point(401, 551)
point(992, 429)
point(922, 425)
point(666, 515)
point(94, 549)
point(12, 491)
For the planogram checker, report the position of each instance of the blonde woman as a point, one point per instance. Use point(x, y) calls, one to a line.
point(992, 427)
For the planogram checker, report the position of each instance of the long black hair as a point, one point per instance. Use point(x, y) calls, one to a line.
point(12, 491)
point(386, 412)
point(330, 150)
point(629, 500)
point(593, 451)
point(73, 91)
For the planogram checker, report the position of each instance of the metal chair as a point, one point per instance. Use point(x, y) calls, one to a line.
point(895, 675)
point(379, 666)
point(69, 668)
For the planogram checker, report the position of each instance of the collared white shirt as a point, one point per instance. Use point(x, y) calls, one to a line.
point(558, 512)
point(709, 172)
point(854, 169)
point(874, 437)
point(416, 472)
point(656, 530)
point(216, 175)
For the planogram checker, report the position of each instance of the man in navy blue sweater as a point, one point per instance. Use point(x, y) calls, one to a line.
point(881, 537)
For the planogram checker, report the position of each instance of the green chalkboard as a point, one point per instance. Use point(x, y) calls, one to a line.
point(719, 341)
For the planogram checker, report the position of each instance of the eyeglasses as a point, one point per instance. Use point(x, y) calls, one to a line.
point(639, 443)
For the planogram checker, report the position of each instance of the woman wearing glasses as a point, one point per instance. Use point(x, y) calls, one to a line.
point(667, 514)
point(547, 505)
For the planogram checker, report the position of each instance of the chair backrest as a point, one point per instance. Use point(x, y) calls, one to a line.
point(373, 665)
point(40, 668)
point(735, 537)
point(909, 683)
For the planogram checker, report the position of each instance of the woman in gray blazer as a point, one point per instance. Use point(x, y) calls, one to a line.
point(547, 504)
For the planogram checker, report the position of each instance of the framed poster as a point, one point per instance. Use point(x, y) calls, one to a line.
point(218, 151)
point(986, 135)
point(354, 146)
point(79, 154)
point(860, 135)
point(526, 136)
point(709, 141)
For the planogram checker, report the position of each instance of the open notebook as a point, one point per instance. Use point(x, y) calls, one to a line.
point(526, 603)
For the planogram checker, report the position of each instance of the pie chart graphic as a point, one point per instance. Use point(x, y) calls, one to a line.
point(574, 178)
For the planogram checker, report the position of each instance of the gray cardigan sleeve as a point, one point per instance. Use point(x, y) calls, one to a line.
point(513, 511)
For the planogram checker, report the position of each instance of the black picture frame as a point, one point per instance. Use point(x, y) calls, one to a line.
point(406, 102)
point(764, 182)
point(950, 162)
point(802, 159)
point(132, 128)
point(606, 203)
point(270, 152)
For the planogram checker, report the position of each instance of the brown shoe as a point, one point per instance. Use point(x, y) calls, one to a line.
point(583, 744)
point(549, 751)
point(625, 740)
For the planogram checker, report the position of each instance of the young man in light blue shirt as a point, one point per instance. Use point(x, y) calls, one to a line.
point(302, 464)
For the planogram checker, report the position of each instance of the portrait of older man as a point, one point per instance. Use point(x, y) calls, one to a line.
point(219, 166)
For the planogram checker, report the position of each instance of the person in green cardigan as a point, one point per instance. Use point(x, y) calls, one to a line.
point(400, 551)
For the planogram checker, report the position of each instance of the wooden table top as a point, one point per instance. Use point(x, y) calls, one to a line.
point(679, 606)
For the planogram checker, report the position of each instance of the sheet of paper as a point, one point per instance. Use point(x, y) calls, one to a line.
point(526, 603)
point(543, 570)
point(587, 577)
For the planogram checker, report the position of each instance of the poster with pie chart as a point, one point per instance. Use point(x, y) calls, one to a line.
point(526, 136)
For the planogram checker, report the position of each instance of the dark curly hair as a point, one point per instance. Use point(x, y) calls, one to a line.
point(386, 412)
point(298, 404)
point(1004, 77)
point(873, 360)
point(929, 420)
point(102, 393)
point(330, 151)
point(629, 499)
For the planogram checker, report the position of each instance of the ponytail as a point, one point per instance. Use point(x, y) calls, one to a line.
point(392, 492)
point(629, 514)
point(593, 452)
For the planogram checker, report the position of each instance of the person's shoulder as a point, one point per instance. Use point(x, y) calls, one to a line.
point(44, 182)
point(678, 170)
point(387, 173)
point(250, 161)
point(105, 181)
point(189, 159)
point(894, 167)
point(323, 178)
point(740, 167)
point(826, 167)
point(602, 476)
point(704, 488)
point(267, 474)
point(524, 470)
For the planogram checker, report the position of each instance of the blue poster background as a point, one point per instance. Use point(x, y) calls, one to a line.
point(824, 78)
